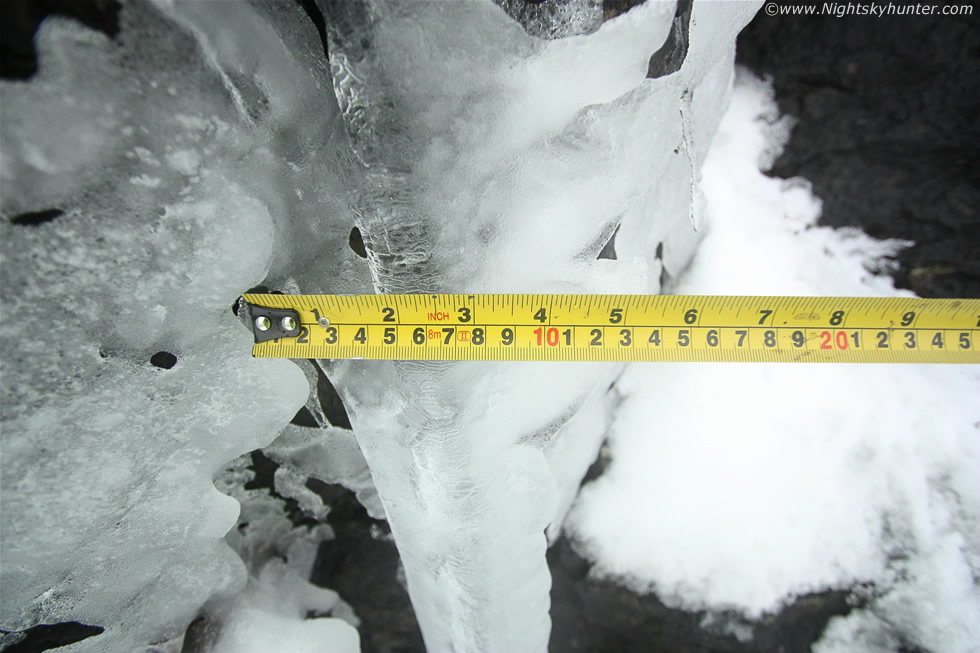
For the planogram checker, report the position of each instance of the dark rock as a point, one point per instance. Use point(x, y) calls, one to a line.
point(590, 614)
point(49, 636)
point(887, 131)
point(671, 55)
point(361, 564)
point(19, 22)
point(264, 477)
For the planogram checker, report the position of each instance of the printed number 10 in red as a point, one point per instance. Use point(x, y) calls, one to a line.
point(551, 336)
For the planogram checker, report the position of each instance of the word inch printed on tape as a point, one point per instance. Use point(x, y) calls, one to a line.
point(683, 328)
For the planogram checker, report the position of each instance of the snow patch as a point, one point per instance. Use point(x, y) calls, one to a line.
point(742, 486)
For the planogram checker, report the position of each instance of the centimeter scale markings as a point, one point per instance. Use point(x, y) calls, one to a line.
point(617, 328)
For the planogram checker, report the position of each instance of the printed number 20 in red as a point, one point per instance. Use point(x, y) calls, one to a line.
point(828, 340)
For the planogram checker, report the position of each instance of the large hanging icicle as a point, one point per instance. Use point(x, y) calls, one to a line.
point(487, 159)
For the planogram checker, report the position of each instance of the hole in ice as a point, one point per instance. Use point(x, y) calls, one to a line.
point(356, 242)
point(330, 402)
point(304, 418)
point(609, 249)
point(48, 636)
point(163, 359)
point(34, 218)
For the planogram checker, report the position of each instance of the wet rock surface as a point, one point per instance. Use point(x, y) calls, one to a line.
point(590, 614)
point(887, 131)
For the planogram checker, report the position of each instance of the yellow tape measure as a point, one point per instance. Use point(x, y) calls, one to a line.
point(617, 328)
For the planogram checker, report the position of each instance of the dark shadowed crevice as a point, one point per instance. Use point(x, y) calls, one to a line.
point(598, 466)
point(664, 277)
point(316, 17)
point(35, 218)
point(19, 20)
point(304, 418)
point(49, 636)
point(263, 471)
point(201, 635)
point(670, 57)
point(609, 249)
point(330, 402)
point(356, 242)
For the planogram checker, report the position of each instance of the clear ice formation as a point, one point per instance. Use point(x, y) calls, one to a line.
point(476, 147)
point(489, 160)
point(188, 158)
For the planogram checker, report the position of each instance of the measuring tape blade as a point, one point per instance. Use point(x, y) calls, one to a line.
point(682, 328)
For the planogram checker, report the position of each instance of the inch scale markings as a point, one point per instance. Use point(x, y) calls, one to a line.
point(666, 328)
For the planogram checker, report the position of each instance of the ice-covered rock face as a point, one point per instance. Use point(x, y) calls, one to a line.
point(203, 152)
point(187, 167)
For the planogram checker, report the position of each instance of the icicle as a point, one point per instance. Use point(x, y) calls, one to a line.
point(687, 146)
